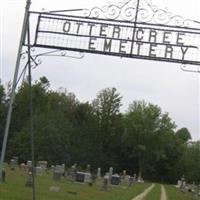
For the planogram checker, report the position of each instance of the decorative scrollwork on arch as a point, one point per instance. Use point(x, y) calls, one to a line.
point(36, 58)
point(147, 13)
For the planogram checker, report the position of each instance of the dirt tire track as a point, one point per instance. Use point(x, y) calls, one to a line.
point(143, 194)
point(163, 193)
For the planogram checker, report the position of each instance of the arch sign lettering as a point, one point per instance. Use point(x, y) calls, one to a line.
point(124, 30)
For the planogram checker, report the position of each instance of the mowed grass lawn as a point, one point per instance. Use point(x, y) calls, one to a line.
point(174, 193)
point(15, 189)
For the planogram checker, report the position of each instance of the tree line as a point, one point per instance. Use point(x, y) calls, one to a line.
point(143, 140)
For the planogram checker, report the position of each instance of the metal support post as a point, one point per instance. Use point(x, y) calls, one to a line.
point(22, 39)
point(31, 110)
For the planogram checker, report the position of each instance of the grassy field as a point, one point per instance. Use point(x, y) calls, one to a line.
point(155, 193)
point(174, 194)
point(15, 189)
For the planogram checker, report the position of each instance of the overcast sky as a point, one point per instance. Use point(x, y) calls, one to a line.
point(164, 84)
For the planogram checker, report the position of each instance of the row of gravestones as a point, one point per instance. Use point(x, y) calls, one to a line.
point(39, 169)
point(73, 174)
point(116, 179)
point(185, 187)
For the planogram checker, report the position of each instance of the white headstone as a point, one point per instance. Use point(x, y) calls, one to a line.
point(88, 178)
point(99, 173)
point(110, 172)
point(59, 169)
point(39, 171)
point(29, 163)
point(42, 164)
point(179, 184)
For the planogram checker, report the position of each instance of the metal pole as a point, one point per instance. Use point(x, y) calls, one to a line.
point(22, 39)
point(31, 110)
point(135, 24)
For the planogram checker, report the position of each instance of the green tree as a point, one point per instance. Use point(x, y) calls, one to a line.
point(52, 116)
point(106, 108)
point(146, 128)
point(184, 134)
point(191, 162)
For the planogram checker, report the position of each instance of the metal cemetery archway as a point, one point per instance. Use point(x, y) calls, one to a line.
point(132, 29)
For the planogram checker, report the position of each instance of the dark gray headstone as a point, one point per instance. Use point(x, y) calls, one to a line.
point(80, 177)
point(115, 180)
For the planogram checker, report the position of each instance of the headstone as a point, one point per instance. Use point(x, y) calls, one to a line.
point(23, 167)
point(134, 178)
point(80, 177)
point(183, 184)
point(93, 178)
point(140, 180)
point(99, 173)
point(52, 168)
point(88, 178)
point(88, 168)
point(59, 171)
point(63, 167)
point(29, 181)
point(124, 174)
point(126, 179)
point(12, 166)
point(115, 179)
point(129, 180)
point(54, 189)
point(105, 184)
point(193, 187)
point(29, 165)
point(110, 173)
point(72, 172)
point(195, 191)
point(13, 163)
point(39, 171)
point(43, 165)
point(178, 184)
